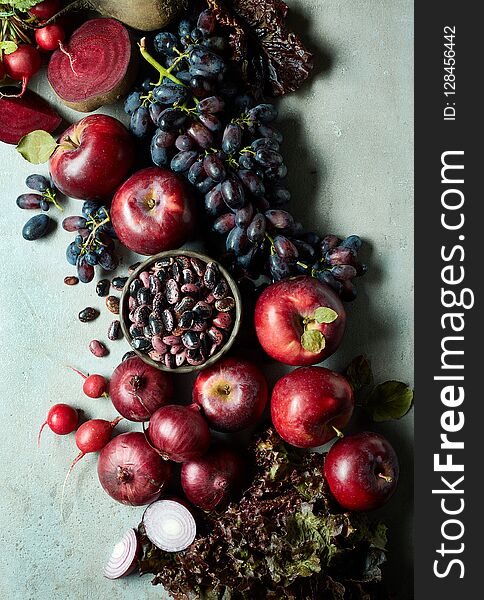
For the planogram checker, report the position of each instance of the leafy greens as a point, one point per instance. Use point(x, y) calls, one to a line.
point(286, 538)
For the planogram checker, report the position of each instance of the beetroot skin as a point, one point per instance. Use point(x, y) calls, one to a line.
point(101, 67)
point(20, 116)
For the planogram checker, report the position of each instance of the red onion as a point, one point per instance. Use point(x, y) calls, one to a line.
point(180, 433)
point(130, 471)
point(137, 390)
point(169, 525)
point(212, 481)
point(124, 556)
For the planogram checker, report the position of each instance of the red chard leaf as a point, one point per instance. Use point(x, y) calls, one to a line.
point(275, 58)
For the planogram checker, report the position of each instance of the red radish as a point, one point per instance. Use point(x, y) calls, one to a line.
point(61, 419)
point(124, 556)
point(105, 65)
point(22, 64)
point(91, 436)
point(137, 390)
point(131, 471)
point(50, 37)
point(20, 116)
point(45, 10)
point(169, 525)
point(215, 479)
point(2, 71)
point(180, 433)
point(94, 386)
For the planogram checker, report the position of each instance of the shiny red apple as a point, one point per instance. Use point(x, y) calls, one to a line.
point(286, 310)
point(232, 393)
point(362, 471)
point(93, 157)
point(309, 405)
point(153, 211)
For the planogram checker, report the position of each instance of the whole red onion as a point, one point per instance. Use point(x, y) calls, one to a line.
point(137, 390)
point(215, 479)
point(130, 471)
point(179, 432)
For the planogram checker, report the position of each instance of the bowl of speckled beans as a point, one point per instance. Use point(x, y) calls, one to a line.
point(180, 311)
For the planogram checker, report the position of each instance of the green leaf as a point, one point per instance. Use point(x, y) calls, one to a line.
point(37, 147)
point(358, 373)
point(389, 400)
point(324, 314)
point(8, 47)
point(22, 5)
point(313, 341)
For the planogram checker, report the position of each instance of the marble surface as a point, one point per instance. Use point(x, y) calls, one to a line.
point(349, 136)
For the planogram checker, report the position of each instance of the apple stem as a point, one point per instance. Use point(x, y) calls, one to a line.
point(339, 433)
point(387, 478)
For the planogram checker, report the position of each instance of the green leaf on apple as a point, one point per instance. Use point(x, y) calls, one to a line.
point(37, 146)
point(8, 47)
point(313, 341)
point(359, 373)
point(324, 314)
point(389, 400)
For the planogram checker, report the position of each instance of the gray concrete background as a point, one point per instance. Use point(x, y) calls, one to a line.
point(349, 136)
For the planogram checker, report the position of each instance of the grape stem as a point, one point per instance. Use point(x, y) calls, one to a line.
point(97, 225)
point(271, 240)
point(50, 196)
point(162, 70)
point(156, 65)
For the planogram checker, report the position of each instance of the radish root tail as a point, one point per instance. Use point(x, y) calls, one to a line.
point(79, 373)
point(40, 433)
point(73, 464)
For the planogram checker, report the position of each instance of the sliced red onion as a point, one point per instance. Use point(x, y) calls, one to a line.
point(124, 556)
point(169, 525)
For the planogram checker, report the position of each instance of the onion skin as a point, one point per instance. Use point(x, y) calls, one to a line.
point(137, 390)
point(180, 433)
point(131, 472)
point(212, 481)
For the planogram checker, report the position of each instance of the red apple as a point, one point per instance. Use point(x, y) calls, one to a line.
point(232, 393)
point(286, 310)
point(93, 157)
point(308, 403)
point(362, 471)
point(153, 211)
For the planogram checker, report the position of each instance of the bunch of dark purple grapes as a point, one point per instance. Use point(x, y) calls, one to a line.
point(94, 243)
point(45, 196)
point(212, 131)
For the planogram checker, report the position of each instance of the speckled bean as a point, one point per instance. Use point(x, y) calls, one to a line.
point(98, 348)
point(88, 314)
point(114, 330)
point(112, 303)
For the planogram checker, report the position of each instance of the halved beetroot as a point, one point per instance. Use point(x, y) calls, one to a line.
point(101, 67)
point(20, 116)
